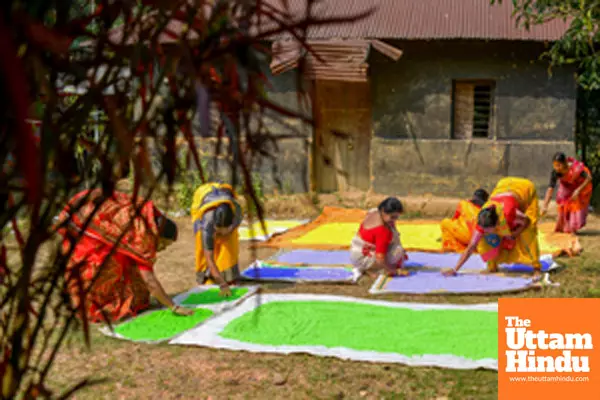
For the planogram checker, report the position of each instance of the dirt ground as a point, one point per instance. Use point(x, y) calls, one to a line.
point(137, 371)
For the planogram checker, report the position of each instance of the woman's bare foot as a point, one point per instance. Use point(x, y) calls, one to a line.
point(492, 267)
point(576, 247)
point(372, 274)
point(537, 277)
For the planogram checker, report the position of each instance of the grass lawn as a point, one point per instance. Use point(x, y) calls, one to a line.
point(137, 371)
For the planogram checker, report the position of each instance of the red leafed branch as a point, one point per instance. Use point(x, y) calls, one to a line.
point(160, 76)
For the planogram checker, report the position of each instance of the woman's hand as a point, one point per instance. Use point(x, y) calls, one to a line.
point(216, 274)
point(544, 211)
point(183, 311)
point(157, 291)
point(450, 272)
point(403, 272)
point(575, 195)
point(225, 291)
point(391, 271)
point(523, 222)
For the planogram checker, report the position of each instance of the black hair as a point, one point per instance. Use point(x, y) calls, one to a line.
point(480, 197)
point(223, 216)
point(560, 157)
point(168, 228)
point(487, 218)
point(391, 205)
point(124, 170)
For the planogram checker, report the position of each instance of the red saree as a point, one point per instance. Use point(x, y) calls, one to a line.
point(116, 289)
point(572, 213)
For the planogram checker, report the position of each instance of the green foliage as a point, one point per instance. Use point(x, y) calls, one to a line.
point(588, 136)
point(593, 293)
point(579, 45)
point(578, 48)
point(596, 198)
point(288, 187)
point(258, 187)
point(191, 180)
point(185, 191)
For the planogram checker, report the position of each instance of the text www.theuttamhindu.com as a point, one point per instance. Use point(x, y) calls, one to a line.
point(549, 379)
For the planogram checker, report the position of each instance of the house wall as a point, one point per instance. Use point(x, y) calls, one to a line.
point(412, 117)
point(287, 171)
point(411, 151)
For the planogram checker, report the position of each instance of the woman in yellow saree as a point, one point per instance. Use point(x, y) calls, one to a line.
point(507, 223)
point(216, 216)
point(457, 232)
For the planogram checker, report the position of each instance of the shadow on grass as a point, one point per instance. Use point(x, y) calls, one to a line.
point(589, 233)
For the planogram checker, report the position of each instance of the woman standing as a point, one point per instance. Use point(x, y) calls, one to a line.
point(377, 245)
point(574, 193)
point(506, 230)
point(114, 283)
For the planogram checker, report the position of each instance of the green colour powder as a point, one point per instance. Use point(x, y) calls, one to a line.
point(211, 296)
point(161, 324)
point(469, 334)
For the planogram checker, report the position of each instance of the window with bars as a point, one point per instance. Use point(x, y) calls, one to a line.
point(473, 103)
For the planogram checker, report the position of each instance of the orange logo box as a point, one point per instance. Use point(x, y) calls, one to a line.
point(548, 349)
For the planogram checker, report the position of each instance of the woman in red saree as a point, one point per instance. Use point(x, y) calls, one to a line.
point(574, 193)
point(114, 284)
point(377, 244)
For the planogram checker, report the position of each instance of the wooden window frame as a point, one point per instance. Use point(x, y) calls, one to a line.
point(491, 132)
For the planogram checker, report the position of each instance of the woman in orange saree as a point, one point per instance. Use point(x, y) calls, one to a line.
point(574, 193)
point(108, 283)
point(457, 232)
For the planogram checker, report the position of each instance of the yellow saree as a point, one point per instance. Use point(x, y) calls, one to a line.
point(226, 248)
point(496, 248)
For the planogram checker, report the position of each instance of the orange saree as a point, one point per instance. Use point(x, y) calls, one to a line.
point(104, 285)
point(457, 232)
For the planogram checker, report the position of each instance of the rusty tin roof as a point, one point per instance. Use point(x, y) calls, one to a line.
point(425, 20)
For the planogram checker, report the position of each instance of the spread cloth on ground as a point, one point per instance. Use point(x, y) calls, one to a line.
point(159, 325)
point(414, 334)
point(213, 296)
point(264, 271)
point(303, 257)
point(273, 227)
point(433, 282)
point(335, 228)
point(381, 329)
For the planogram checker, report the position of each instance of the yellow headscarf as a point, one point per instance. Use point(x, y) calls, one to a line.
point(199, 209)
